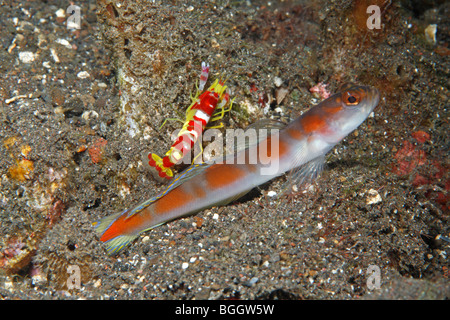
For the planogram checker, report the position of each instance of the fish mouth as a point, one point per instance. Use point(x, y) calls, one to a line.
point(373, 97)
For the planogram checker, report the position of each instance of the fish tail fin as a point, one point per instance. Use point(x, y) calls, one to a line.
point(116, 244)
point(112, 237)
point(103, 224)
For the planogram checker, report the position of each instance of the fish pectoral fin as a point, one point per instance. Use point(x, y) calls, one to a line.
point(304, 174)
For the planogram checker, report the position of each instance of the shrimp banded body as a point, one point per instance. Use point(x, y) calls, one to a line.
point(199, 113)
point(300, 148)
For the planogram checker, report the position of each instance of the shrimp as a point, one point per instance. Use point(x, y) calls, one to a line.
point(206, 107)
point(203, 76)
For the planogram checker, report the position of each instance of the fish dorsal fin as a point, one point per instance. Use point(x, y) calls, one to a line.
point(267, 124)
point(187, 174)
point(346, 86)
point(242, 139)
point(259, 134)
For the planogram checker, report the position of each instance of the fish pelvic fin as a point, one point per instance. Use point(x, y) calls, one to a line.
point(304, 174)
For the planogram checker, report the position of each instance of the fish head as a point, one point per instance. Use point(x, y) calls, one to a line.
point(349, 108)
point(360, 99)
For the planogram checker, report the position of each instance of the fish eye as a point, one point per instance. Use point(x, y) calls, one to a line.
point(351, 98)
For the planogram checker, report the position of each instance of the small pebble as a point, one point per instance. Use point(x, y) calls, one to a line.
point(277, 81)
point(98, 283)
point(87, 115)
point(54, 55)
point(373, 197)
point(430, 33)
point(64, 43)
point(83, 75)
point(60, 13)
point(252, 281)
point(27, 56)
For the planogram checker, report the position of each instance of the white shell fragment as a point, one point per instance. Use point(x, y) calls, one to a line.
point(64, 43)
point(280, 94)
point(373, 197)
